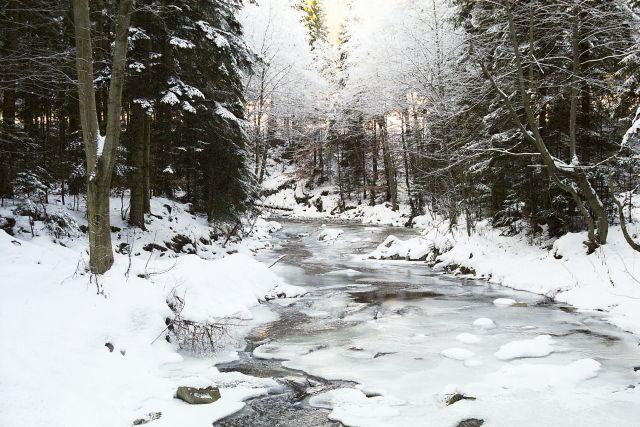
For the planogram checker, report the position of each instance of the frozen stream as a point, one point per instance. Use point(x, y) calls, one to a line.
point(386, 343)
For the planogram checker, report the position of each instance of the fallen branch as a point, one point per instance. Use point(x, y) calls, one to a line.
point(277, 208)
point(278, 260)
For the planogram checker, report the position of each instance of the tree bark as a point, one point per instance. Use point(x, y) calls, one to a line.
point(136, 205)
point(100, 152)
point(8, 108)
point(374, 175)
point(404, 132)
point(146, 164)
point(390, 169)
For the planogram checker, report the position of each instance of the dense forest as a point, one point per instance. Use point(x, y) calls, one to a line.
point(521, 112)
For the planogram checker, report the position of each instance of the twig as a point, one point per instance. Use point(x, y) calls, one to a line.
point(278, 260)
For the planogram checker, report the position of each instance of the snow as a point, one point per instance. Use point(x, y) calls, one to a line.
point(100, 140)
point(204, 286)
point(539, 346)
point(283, 190)
point(457, 353)
point(56, 319)
point(540, 377)
point(188, 107)
point(224, 112)
point(395, 248)
point(504, 302)
point(170, 98)
point(330, 234)
point(181, 43)
point(468, 338)
point(353, 407)
point(484, 323)
point(561, 269)
point(633, 130)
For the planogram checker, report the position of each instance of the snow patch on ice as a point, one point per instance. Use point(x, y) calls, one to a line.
point(504, 302)
point(540, 346)
point(457, 353)
point(484, 323)
point(468, 338)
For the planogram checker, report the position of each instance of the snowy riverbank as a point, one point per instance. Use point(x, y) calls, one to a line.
point(77, 349)
point(607, 280)
point(297, 199)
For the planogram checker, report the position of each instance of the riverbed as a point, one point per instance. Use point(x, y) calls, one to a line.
point(392, 343)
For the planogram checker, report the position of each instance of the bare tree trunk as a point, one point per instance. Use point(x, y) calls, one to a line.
point(100, 151)
point(136, 205)
point(404, 131)
point(8, 108)
point(146, 164)
point(374, 156)
point(390, 169)
point(623, 222)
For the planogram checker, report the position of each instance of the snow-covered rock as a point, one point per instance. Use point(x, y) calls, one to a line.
point(504, 302)
point(539, 346)
point(330, 234)
point(484, 323)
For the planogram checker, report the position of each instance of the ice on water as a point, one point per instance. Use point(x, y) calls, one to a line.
point(521, 363)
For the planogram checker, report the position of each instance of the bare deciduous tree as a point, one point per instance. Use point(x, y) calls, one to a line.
point(100, 150)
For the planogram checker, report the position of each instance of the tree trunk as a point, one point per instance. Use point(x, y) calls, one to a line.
point(146, 164)
point(100, 152)
point(8, 108)
point(374, 175)
point(404, 132)
point(389, 166)
point(137, 184)
point(100, 250)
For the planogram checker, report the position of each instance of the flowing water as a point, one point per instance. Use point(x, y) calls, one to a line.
point(380, 327)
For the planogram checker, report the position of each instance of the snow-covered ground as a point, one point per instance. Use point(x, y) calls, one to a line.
point(292, 198)
point(80, 350)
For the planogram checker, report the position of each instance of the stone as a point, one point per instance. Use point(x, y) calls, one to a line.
point(150, 247)
point(467, 270)
point(470, 422)
point(198, 396)
point(457, 397)
point(151, 416)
